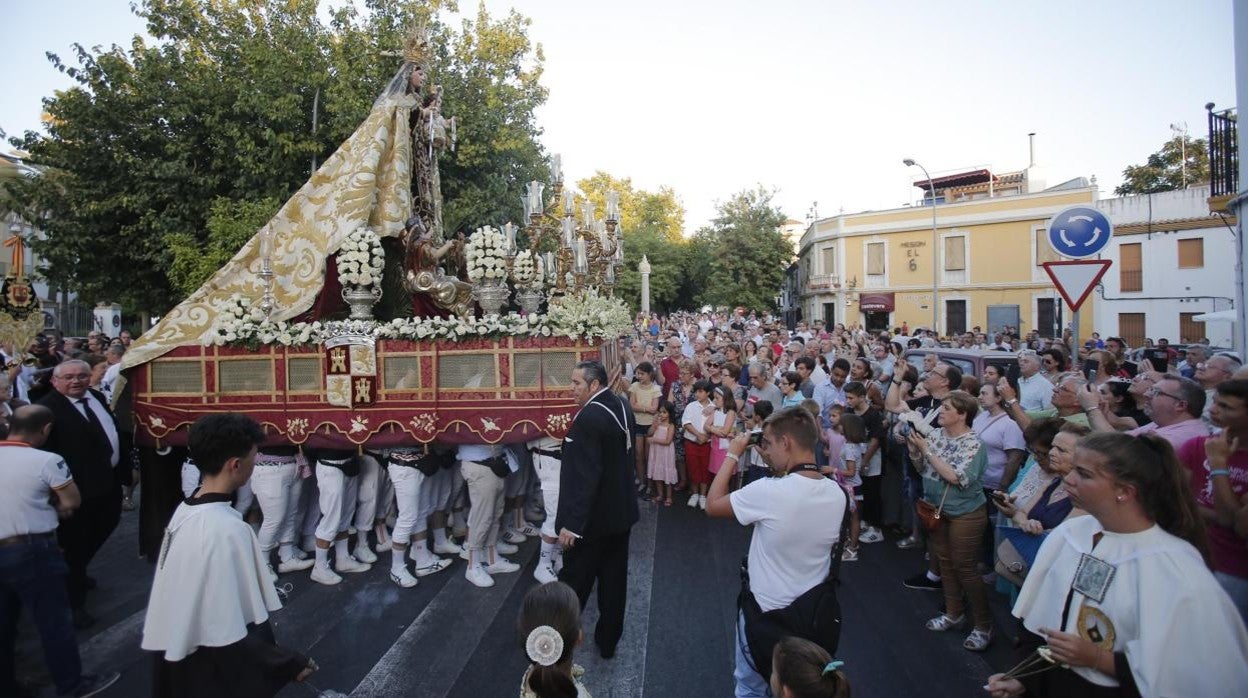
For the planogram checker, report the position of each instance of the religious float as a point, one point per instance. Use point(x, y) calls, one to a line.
point(267, 336)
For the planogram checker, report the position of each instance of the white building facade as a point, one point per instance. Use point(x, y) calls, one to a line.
point(1172, 261)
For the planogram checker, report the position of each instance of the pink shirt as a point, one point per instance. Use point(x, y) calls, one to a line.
point(1177, 434)
point(1230, 554)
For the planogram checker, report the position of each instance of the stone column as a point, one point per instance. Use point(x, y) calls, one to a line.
point(644, 268)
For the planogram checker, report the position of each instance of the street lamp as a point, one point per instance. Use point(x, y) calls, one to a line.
point(931, 188)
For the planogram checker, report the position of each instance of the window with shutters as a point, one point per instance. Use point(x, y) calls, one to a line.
point(1131, 273)
point(1190, 331)
point(829, 260)
point(875, 258)
point(1045, 251)
point(1131, 328)
point(955, 253)
point(1192, 253)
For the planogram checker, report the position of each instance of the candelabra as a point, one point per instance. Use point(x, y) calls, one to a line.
point(585, 252)
point(267, 301)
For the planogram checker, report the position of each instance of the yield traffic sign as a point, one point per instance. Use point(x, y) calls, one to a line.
point(1076, 279)
point(1080, 231)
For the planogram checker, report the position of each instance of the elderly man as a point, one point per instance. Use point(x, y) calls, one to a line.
point(1209, 374)
point(762, 387)
point(1065, 402)
point(1035, 392)
point(85, 435)
point(1174, 404)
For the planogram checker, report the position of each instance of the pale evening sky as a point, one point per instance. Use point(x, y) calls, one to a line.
point(820, 100)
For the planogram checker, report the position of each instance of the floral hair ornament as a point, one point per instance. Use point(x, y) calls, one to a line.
point(544, 645)
point(832, 666)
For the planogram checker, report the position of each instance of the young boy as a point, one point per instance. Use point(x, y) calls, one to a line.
point(208, 616)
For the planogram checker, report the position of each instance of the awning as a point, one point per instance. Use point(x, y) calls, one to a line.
point(878, 302)
point(1217, 316)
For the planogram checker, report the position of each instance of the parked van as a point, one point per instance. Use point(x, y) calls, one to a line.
point(970, 362)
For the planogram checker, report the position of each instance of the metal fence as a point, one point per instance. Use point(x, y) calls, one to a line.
point(1223, 152)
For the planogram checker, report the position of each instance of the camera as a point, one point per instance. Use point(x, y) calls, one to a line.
point(914, 420)
point(756, 438)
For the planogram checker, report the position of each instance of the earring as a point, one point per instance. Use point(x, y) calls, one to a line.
point(1120, 498)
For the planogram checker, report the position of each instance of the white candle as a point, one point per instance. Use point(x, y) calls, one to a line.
point(580, 261)
point(613, 205)
point(569, 231)
point(509, 232)
point(569, 202)
point(556, 168)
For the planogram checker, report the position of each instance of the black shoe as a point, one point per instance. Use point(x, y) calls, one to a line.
point(93, 684)
point(922, 582)
point(606, 653)
point(91, 583)
point(82, 619)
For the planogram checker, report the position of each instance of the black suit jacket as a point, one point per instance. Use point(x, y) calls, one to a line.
point(88, 454)
point(596, 496)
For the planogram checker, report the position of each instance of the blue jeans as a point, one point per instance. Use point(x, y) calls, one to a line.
point(749, 683)
point(32, 574)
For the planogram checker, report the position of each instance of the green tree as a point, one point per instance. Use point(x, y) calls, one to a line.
point(230, 225)
point(1164, 169)
point(743, 253)
point(220, 108)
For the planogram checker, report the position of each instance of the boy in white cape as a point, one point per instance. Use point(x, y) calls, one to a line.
point(208, 616)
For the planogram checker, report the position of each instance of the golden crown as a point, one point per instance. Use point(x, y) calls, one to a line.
point(416, 45)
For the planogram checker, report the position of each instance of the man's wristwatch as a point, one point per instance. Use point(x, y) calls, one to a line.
point(1011, 403)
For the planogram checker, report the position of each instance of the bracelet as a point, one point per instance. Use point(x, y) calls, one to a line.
point(733, 456)
point(1220, 472)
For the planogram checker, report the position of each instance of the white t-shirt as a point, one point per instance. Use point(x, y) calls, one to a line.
point(693, 414)
point(26, 477)
point(797, 520)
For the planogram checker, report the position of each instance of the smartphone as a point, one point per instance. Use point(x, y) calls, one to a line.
point(999, 496)
point(1012, 374)
point(756, 438)
point(1131, 368)
point(1160, 359)
point(1090, 367)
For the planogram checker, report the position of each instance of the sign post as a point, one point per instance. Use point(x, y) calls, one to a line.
point(1078, 232)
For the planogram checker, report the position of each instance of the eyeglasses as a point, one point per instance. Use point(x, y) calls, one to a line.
point(712, 364)
point(75, 377)
point(1155, 391)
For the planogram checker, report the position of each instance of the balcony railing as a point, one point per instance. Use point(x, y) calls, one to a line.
point(1223, 158)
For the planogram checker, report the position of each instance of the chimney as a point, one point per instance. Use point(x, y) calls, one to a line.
point(1033, 175)
point(1031, 145)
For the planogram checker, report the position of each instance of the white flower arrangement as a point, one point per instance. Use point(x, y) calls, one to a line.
point(361, 258)
point(486, 260)
point(587, 314)
point(526, 270)
point(240, 321)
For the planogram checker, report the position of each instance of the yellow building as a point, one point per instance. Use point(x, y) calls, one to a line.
point(875, 268)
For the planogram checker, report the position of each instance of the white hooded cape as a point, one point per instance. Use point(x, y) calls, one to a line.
point(211, 582)
point(1180, 631)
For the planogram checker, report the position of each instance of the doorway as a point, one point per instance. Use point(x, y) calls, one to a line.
point(955, 318)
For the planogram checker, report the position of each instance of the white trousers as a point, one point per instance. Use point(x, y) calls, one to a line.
point(407, 485)
point(548, 475)
point(337, 494)
point(367, 483)
point(435, 495)
point(277, 488)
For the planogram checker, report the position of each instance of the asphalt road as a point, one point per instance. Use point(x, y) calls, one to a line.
point(446, 637)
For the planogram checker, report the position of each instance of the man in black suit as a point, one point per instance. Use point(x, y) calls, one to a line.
point(84, 433)
point(597, 503)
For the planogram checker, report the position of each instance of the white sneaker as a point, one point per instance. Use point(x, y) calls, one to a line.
point(478, 576)
point(501, 565)
point(528, 531)
point(505, 548)
point(511, 535)
point(324, 575)
point(385, 547)
point(295, 564)
point(702, 502)
point(351, 565)
point(545, 573)
point(363, 554)
point(450, 547)
point(871, 535)
point(403, 578)
point(693, 501)
point(437, 565)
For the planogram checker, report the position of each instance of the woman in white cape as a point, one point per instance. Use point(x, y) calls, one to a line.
point(1124, 598)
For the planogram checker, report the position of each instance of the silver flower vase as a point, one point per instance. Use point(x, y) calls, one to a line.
point(361, 300)
point(530, 300)
point(491, 296)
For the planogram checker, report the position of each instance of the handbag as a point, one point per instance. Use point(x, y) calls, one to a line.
point(814, 616)
point(1011, 565)
point(928, 514)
